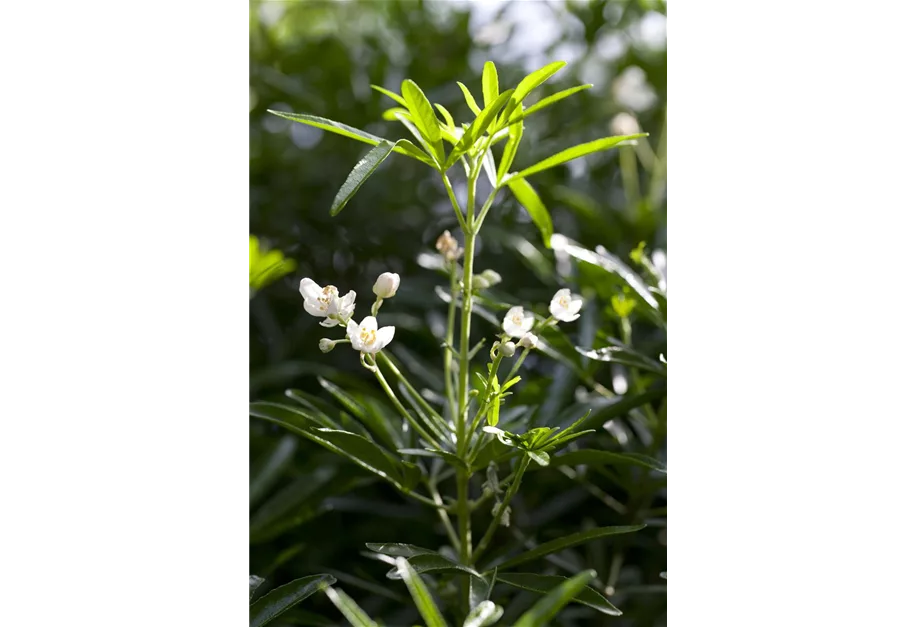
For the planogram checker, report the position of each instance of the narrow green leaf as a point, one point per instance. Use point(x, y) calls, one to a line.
point(391, 115)
point(536, 78)
point(591, 457)
point(540, 457)
point(469, 100)
point(276, 412)
point(434, 563)
point(490, 167)
point(622, 354)
point(622, 406)
point(363, 452)
point(480, 589)
point(447, 117)
point(422, 599)
point(485, 613)
point(381, 428)
point(511, 383)
point(546, 583)
point(528, 198)
point(253, 582)
point(555, 600)
point(489, 83)
point(424, 117)
point(268, 472)
point(544, 102)
point(362, 171)
point(349, 608)
point(279, 600)
point(451, 458)
point(567, 541)
point(512, 145)
point(390, 94)
point(574, 152)
point(408, 149)
point(477, 129)
point(398, 549)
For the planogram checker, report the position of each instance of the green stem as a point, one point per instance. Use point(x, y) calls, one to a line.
point(404, 412)
point(450, 332)
point(443, 515)
point(517, 480)
point(488, 390)
point(455, 205)
point(464, 341)
point(438, 427)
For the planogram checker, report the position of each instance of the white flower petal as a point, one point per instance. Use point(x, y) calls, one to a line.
point(313, 308)
point(328, 322)
point(369, 323)
point(353, 331)
point(309, 289)
point(383, 337)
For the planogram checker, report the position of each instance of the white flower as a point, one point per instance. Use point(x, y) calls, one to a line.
point(324, 302)
point(386, 285)
point(529, 340)
point(624, 124)
point(518, 322)
point(367, 337)
point(325, 345)
point(508, 349)
point(565, 306)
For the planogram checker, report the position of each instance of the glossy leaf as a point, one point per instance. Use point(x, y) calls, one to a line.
point(621, 353)
point(269, 471)
point(398, 549)
point(574, 152)
point(512, 145)
point(480, 589)
point(622, 406)
point(545, 583)
point(554, 601)
point(485, 613)
point(539, 457)
point(544, 102)
point(285, 414)
point(566, 542)
point(469, 100)
point(381, 428)
point(279, 600)
point(451, 458)
point(528, 198)
point(325, 124)
point(434, 562)
point(477, 129)
point(365, 453)
point(490, 85)
point(490, 169)
point(349, 608)
point(590, 457)
point(421, 595)
point(253, 582)
point(536, 78)
point(424, 117)
point(390, 94)
point(362, 171)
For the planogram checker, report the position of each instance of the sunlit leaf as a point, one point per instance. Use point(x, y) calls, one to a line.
point(424, 117)
point(422, 598)
point(433, 563)
point(518, 116)
point(253, 582)
point(590, 457)
point(390, 94)
point(279, 600)
point(555, 600)
point(469, 100)
point(489, 83)
point(362, 171)
point(478, 127)
point(622, 354)
point(566, 542)
point(528, 198)
point(546, 583)
point(574, 152)
point(398, 549)
point(349, 608)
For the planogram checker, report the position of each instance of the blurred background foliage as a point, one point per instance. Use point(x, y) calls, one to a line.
point(312, 511)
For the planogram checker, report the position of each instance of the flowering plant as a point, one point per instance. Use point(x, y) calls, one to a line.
point(459, 438)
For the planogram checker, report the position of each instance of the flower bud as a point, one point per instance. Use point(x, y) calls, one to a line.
point(508, 349)
point(625, 124)
point(491, 277)
point(386, 285)
point(478, 282)
point(325, 345)
point(448, 246)
point(529, 340)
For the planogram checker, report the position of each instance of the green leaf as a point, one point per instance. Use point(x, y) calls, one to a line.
point(447, 117)
point(540, 457)
point(381, 428)
point(432, 563)
point(536, 78)
point(469, 100)
point(278, 413)
point(424, 117)
point(555, 600)
point(591, 457)
point(362, 171)
point(544, 102)
point(349, 608)
point(546, 583)
point(365, 453)
point(477, 129)
point(398, 549)
point(451, 458)
point(489, 83)
point(622, 406)
point(485, 613)
point(325, 124)
point(512, 145)
point(390, 94)
point(574, 152)
point(253, 582)
point(528, 198)
point(623, 354)
point(480, 589)
point(567, 541)
point(270, 469)
point(279, 600)
point(420, 594)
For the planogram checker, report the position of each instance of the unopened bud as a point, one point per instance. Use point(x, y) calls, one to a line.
point(448, 246)
point(624, 124)
point(529, 340)
point(325, 345)
point(491, 277)
point(508, 349)
point(386, 285)
point(479, 282)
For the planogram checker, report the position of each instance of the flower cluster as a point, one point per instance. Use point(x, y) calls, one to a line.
point(326, 302)
point(518, 323)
